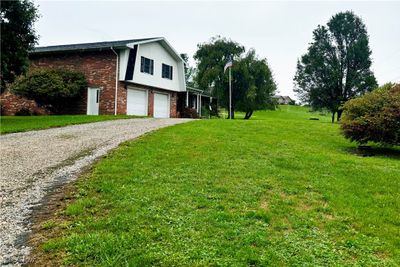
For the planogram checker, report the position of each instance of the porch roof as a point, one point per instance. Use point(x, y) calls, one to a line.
point(198, 91)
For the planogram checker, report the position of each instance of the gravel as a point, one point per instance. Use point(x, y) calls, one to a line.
point(32, 162)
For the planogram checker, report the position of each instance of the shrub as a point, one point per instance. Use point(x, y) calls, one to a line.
point(190, 113)
point(205, 112)
point(51, 88)
point(374, 117)
point(24, 112)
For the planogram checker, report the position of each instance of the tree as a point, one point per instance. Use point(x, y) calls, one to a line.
point(189, 71)
point(54, 89)
point(336, 67)
point(253, 84)
point(374, 117)
point(211, 58)
point(17, 38)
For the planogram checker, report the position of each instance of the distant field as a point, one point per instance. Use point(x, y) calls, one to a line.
point(276, 190)
point(12, 124)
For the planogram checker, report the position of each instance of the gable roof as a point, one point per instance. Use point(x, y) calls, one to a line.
point(98, 46)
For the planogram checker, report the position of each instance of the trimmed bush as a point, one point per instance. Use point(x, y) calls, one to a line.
point(190, 113)
point(374, 117)
point(51, 88)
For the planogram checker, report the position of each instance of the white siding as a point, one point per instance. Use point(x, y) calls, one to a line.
point(123, 63)
point(160, 55)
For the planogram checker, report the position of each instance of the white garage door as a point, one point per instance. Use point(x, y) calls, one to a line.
point(161, 106)
point(137, 102)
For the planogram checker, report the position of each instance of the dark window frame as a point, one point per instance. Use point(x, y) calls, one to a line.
point(147, 65)
point(166, 71)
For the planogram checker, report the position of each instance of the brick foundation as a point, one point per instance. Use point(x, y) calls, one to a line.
point(11, 104)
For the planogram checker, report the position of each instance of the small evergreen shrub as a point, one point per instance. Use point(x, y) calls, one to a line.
point(374, 117)
point(51, 88)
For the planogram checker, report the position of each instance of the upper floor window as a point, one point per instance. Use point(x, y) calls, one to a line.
point(147, 65)
point(166, 71)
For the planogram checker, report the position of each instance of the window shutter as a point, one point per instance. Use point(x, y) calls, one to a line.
point(131, 63)
point(170, 73)
point(164, 71)
point(142, 64)
point(151, 66)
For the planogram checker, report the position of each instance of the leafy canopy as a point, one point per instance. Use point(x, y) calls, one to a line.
point(253, 84)
point(17, 38)
point(52, 88)
point(252, 80)
point(189, 70)
point(336, 67)
point(211, 58)
point(374, 117)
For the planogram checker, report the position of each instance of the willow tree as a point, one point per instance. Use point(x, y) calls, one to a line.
point(253, 84)
point(211, 58)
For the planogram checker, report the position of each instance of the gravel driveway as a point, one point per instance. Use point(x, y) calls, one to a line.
point(32, 162)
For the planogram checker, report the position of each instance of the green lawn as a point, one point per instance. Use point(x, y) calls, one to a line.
point(12, 124)
point(276, 190)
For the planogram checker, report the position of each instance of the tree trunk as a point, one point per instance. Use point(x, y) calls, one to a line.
point(248, 115)
point(333, 116)
point(339, 114)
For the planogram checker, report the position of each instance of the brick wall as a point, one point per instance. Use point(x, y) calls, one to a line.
point(99, 70)
point(11, 104)
point(150, 110)
point(173, 105)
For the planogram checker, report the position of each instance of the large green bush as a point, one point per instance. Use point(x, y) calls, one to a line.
point(51, 88)
point(374, 117)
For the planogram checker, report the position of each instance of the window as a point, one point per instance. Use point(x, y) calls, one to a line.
point(166, 71)
point(147, 65)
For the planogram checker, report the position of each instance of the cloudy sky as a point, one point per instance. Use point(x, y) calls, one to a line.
point(279, 31)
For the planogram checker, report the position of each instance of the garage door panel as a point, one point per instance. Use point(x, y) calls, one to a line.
point(161, 105)
point(137, 102)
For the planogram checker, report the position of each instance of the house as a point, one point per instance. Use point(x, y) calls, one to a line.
point(283, 100)
point(143, 77)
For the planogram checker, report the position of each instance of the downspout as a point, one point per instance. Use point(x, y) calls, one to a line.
point(116, 81)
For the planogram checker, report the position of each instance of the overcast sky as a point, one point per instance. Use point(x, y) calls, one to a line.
point(279, 31)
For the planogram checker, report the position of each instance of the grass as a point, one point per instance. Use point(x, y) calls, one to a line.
point(276, 190)
point(13, 124)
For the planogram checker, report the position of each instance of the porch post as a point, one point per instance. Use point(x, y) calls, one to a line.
point(197, 103)
point(187, 98)
point(200, 106)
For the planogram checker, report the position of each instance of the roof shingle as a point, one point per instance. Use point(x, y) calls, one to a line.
point(87, 46)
